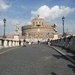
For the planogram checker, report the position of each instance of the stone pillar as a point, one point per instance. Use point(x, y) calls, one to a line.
point(1, 44)
point(10, 43)
point(13, 43)
point(5, 43)
point(21, 43)
point(17, 43)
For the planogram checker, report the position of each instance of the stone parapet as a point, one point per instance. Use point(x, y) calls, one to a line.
point(65, 42)
point(6, 42)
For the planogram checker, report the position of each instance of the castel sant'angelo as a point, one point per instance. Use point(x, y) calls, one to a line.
point(39, 30)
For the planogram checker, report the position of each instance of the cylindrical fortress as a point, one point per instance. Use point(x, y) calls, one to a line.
point(38, 30)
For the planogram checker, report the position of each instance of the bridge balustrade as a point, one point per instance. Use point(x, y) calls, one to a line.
point(65, 42)
point(72, 43)
point(59, 40)
point(6, 42)
point(62, 42)
point(1, 43)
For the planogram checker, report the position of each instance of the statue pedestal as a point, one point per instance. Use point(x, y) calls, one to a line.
point(55, 36)
point(16, 36)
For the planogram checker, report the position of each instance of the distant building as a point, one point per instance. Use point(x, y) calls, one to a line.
point(68, 34)
point(38, 30)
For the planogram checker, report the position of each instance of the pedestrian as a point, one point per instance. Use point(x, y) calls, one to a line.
point(19, 42)
point(24, 42)
point(48, 42)
point(38, 42)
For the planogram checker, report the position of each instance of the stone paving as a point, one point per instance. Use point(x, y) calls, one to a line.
point(35, 60)
point(67, 52)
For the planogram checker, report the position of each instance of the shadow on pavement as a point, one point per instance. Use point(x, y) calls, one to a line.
point(72, 67)
point(52, 73)
point(60, 56)
point(69, 51)
point(73, 57)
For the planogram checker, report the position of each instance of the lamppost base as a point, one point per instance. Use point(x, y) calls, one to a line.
point(4, 36)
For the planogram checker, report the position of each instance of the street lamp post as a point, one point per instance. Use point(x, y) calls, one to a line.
point(63, 24)
point(4, 20)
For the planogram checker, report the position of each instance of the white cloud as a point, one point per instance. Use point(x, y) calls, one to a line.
point(29, 23)
point(3, 6)
point(70, 30)
point(10, 25)
point(1, 22)
point(52, 13)
point(23, 7)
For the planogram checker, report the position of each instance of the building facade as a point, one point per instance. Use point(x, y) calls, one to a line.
point(38, 30)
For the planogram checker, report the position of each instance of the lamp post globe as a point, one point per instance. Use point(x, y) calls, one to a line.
point(63, 24)
point(4, 20)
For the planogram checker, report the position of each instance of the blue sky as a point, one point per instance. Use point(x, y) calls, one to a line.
point(23, 11)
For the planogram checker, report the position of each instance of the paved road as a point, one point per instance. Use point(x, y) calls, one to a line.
point(34, 60)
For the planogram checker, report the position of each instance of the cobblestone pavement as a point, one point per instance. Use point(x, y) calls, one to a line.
point(5, 50)
point(35, 60)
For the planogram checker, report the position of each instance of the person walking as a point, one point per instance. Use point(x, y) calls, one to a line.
point(48, 42)
point(24, 42)
point(38, 42)
point(19, 42)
